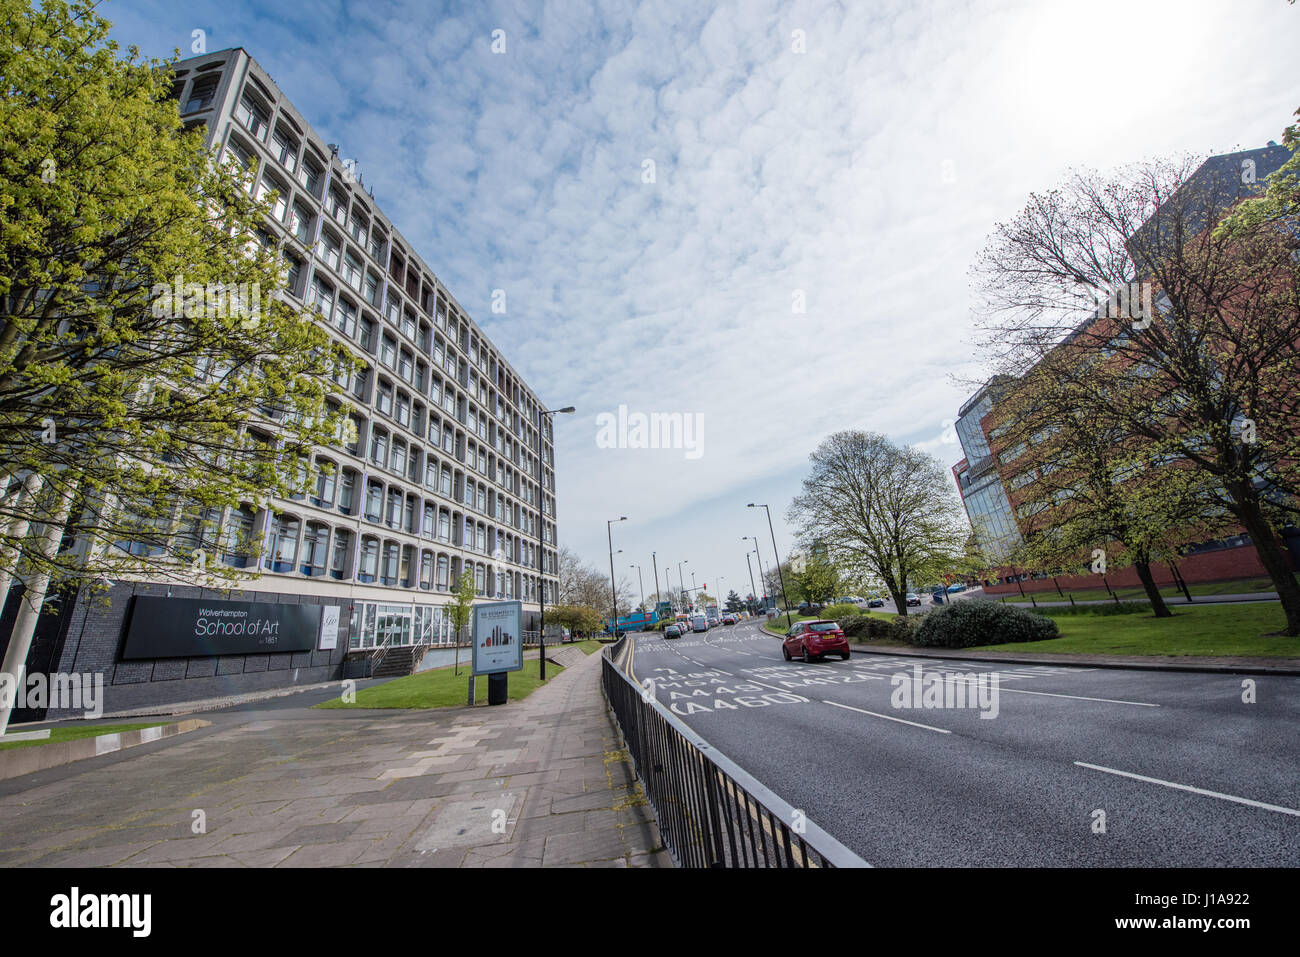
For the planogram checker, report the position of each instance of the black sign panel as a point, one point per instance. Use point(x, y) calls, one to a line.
point(205, 627)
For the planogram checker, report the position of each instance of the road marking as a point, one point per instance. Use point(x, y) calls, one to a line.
point(886, 717)
point(1077, 697)
point(1187, 787)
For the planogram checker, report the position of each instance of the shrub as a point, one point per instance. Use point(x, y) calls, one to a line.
point(868, 628)
point(845, 610)
point(966, 624)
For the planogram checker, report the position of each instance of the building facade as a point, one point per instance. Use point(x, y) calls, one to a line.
point(447, 467)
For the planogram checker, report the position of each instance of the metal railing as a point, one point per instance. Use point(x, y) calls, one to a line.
point(711, 813)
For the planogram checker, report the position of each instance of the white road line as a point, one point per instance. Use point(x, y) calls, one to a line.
point(886, 717)
point(1077, 697)
point(1187, 787)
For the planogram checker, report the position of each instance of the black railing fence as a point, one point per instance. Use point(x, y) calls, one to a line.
point(710, 812)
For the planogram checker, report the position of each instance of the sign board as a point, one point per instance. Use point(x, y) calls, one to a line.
point(498, 637)
point(208, 627)
point(329, 628)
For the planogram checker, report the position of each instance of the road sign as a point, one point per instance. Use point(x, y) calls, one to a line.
point(498, 637)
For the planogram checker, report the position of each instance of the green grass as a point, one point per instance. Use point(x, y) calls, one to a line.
point(1212, 631)
point(1244, 586)
point(72, 733)
point(588, 645)
point(443, 688)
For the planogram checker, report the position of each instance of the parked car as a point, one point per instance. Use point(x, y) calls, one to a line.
point(673, 631)
point(876, 602)
point(913, 600)
point(814, 639)
point(809, 609)
point(956, 587)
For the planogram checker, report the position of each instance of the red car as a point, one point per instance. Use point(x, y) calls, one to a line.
point(814, 639)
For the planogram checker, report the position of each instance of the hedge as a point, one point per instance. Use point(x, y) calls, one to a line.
point(976, 621)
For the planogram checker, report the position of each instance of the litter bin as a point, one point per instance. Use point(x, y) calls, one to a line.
point(498, 687)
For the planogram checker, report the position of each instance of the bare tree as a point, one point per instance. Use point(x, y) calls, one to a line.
point(880, 510)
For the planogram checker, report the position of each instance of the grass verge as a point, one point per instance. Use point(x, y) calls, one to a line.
point(75, 732)
point(443, 688)
point(1211, 631)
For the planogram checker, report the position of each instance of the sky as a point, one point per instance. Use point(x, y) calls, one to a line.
point(757, 216)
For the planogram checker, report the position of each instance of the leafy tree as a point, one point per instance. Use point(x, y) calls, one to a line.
point(1202, 373)
point(733, 601)
point(814, 580)
point(133, 420)
point(880, 510)
point(576, 618)
point(1089, 497)
point(461, 608)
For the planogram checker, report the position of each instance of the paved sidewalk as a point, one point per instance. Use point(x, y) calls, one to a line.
point(540, 782)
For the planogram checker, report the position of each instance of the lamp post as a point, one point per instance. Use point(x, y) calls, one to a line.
point(780, 575)
point(749, 566)
point(541, 540)
point(762, 572)
point(681, 582)
point(654, 561)
point(641, 583)
point(613, 593)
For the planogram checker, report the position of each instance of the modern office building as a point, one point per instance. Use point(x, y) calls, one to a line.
point(990, 480)
point(450, 468)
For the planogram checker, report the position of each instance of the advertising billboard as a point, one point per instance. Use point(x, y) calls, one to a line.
point(498, 637)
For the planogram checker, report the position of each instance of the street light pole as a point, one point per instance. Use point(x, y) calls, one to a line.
point(541, 541)
point(780, 575)
point(641, 583)
point(762, 572)
point(681, 582)
point(613, 593)
point(750, 567)
point(654, 561)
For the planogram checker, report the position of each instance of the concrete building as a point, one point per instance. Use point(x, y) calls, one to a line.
point(450, 469)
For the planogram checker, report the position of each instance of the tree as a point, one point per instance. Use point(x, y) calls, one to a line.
point(1201, 371)
point(814, 580)
point(733, 601)
point(461, 608)
point(879, 510)
point(1082, 487)
point(135, 416)
point(576, 618)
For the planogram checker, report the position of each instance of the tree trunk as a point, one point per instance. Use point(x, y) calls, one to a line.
point(1275, 563)
point(17, 531)
point(1149, 584)
point(20, 639)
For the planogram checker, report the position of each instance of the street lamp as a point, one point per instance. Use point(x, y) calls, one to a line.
point(642, 584)
point(541, 540)
point(762, 572)
point(613, 593)
point(779, 574)
point(681, 582)
point(753, 591)
point(654, 561)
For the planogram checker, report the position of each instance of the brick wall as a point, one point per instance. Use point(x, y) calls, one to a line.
point(1222, 565)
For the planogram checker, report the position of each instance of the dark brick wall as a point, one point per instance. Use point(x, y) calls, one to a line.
point(95, 629)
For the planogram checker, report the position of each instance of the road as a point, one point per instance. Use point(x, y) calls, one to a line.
point(1075, 767)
